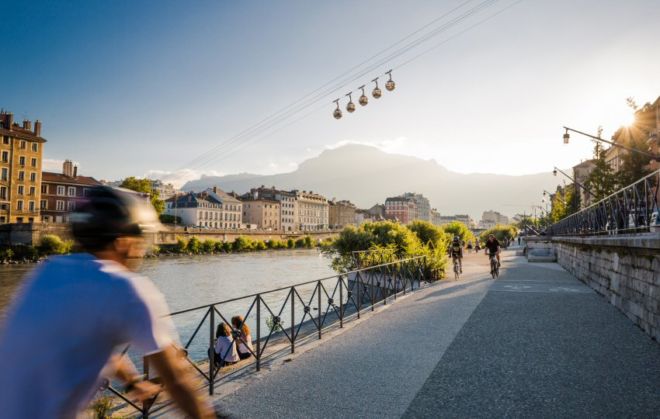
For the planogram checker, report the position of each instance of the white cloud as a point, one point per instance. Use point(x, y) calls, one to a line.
point(55, 165)
point(400, 145)
point(179, 177)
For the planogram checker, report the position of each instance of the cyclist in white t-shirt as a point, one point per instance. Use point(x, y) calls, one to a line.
point(73, 313)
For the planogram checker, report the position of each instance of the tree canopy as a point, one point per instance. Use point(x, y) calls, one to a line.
point(144, 186)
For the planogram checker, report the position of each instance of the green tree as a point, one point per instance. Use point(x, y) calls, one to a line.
point(602, 180)
point(457, 228)
point(144, 186)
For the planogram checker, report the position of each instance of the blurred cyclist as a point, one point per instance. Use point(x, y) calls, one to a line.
point(456, 252)
point(494, 247)
point(71, 315)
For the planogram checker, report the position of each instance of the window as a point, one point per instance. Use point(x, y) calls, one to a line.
point(21, 175)
point(35, 147)
point(19, 220)
point(60, 190)
point(5, 174)
point(3, 192)
point(21, 189)
point(5, 139)
point(23, 145)
point(44, 204)
point(33, 177)
point(21, 160)
point(19, 205)
point(71, 206)
point(86, 192)
point(5, 156)
point(71, 191)
point(31, 206)
point(59, 205)
point(44, 188)
point(33, 162)
point(32, 190)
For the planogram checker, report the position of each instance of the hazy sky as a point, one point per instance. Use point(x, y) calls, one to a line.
point(134, 88)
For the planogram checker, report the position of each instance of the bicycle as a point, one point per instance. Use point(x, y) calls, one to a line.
point(494, 266)
point(457, 269)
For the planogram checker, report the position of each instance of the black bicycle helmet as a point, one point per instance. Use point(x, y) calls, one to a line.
point(108, 213)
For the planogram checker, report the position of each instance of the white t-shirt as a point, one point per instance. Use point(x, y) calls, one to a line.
point(242, 347)
point(226, 348)
point(64, 324)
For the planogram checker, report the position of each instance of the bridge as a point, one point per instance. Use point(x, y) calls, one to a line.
point(574, 334)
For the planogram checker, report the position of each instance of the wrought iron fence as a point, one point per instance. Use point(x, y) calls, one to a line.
point(633, 209)
point(283, 317)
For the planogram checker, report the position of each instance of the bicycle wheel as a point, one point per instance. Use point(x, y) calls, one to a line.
point(493, 269)
point(456, 271)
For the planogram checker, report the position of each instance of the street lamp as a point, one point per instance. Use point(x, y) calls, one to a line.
point(554, 172)
point(546, 193)
point(612, 143)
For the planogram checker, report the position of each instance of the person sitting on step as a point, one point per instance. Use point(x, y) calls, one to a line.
point(225, 347)
point(244, 339)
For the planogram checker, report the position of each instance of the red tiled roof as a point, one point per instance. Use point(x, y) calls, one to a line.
point(50, 177)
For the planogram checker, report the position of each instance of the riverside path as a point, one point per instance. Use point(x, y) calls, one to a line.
point(534, 343)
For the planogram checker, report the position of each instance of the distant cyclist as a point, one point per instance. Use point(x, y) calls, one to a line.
point(456, 252)
point(494, 248)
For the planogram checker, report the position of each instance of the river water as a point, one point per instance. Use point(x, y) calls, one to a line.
point(191, 281)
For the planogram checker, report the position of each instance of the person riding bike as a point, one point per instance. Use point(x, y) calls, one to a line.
point(456, 252)
point(494, 248)
point(70, 320)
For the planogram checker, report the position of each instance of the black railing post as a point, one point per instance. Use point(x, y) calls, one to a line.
point(211, 348)
point(359, 297)
point(318, 289)
point(341, 302)
point(258, 332)
point(293, 323)
point(372, 291)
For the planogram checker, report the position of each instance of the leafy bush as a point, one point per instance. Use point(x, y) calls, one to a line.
point(207, 246)
point(6, 254)
point(181, 245)
point(290, 244)
point(260, 245)
point(169, 219)
point(219, 246)
point(242, 244)
point(194, 245)
point(227, 247)
point(53, 245)
point(501, 232)
point(457, 228)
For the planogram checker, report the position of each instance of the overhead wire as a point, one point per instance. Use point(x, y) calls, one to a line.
point(260, 130)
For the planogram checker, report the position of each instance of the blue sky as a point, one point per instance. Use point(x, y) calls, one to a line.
point(135, 88)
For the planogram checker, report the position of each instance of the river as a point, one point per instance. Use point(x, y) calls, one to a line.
point(190, 281)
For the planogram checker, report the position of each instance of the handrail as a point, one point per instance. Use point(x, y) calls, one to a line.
point(630, 209)
point(304, 312)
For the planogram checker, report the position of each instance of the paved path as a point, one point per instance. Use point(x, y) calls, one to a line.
point(535, 343)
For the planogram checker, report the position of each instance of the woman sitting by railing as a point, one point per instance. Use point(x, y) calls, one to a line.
point(225, 347)
point(244, 338)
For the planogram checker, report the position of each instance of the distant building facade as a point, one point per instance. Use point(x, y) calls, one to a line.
point(164, 190)
point(401, 208)
point(341, 214)
point(21, 152)
point(263, 213)
point(463, 218)
point(423, 205)
point(581, 174)
point(288, 205)
point(313, 211)
point(61, 193)
point(212, 208)
point(491, 218)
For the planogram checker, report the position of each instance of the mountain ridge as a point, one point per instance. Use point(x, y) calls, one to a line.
point(366, 175)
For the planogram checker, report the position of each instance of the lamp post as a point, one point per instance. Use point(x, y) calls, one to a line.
point(554, 172)
point(567, 137)
point(549, 195)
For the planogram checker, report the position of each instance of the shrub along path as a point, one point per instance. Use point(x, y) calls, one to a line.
point(535, 343)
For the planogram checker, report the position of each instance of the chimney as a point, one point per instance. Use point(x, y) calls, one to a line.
point(215, 189)
point(67, 168)
point(75, 171)
point(37, 128)
point(9, 121)
point(27, 124)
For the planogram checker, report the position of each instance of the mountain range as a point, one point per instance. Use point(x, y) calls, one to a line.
point(366, 175)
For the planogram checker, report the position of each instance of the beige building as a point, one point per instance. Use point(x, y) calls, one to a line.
point(21, 151)
point(212, 208)
point(288, 205)
point(313, 211)
point(340, 214)
point(581, 173)
point(265, 214)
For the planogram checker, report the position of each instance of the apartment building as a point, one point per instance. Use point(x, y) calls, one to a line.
point(62, 192)
point(341, 214)
point(21, 151)
point(264, 213)
point(581, 174)
point(212, 208)
point(401, 208)
point(423, 205)
point(313, 211)
point(288, 205)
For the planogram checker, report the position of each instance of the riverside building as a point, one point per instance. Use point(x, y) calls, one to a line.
point(21, 151)
point(341, 214)
point(263, 213)
point(212, 208)
point(313, 211)
point(401, 208)
point(62, 192)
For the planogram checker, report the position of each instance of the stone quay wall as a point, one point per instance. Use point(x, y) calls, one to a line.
point(623, 269)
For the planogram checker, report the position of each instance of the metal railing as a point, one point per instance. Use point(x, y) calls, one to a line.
point(633, 209)
point(283, 317)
